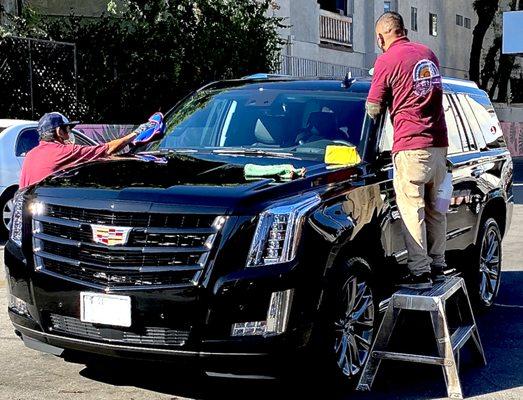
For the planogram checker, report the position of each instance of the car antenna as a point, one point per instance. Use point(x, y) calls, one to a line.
point(347, 81)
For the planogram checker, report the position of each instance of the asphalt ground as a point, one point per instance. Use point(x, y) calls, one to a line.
point(28, 374)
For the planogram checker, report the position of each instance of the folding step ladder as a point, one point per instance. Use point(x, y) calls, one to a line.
point(449, 339)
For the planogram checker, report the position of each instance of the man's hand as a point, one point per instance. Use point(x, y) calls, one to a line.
point(374, 110)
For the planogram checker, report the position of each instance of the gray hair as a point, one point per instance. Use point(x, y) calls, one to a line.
point(48, 136)
point(391, 22)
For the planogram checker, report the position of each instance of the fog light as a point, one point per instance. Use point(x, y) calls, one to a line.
point(279, 311)
point(18, 305)
point(255, 328)
point(277, 318)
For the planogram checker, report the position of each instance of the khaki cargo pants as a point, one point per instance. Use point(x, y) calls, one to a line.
point(417, 176)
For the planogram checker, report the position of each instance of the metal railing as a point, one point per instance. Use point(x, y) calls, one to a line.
point(304, 67)
point(335, 28)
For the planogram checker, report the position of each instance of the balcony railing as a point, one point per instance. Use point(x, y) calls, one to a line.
point(335, 28)
point(303, 67)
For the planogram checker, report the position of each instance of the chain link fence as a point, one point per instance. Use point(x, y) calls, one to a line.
point(37, 76)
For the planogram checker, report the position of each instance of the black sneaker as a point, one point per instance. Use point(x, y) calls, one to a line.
point(410, 281)
point(437, 275)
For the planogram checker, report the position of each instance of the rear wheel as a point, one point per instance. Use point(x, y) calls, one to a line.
point(485, 278)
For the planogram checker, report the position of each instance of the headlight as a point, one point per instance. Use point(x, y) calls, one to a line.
point(277, 233)
point(16, 221)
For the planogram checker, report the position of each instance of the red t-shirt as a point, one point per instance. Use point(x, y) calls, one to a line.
point(407, 79)
point(50, 157)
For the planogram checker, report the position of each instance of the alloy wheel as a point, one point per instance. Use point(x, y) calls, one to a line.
point(489, 266)
point(7, 213)
point(354, 329)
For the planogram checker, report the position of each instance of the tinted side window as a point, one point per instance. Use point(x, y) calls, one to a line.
point(468, 141)
point(472, 120)
point(27, 140)
point(454, 134)
point(79, 139)
point(487, 120)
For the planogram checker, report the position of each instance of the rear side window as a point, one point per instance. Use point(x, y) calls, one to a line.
point(487, 120)
point(472, 119)
point(454, 132)
point(468, 141)
point(27, 140)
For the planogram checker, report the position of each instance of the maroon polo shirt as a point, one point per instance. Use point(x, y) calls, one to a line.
point(407, 79)
point(50, 157)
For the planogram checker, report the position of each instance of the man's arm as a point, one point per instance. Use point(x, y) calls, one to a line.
point(117, 144)
point(379, 90)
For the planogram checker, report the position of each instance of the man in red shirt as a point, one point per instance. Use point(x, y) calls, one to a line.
point(54, 154)
point(407, 80)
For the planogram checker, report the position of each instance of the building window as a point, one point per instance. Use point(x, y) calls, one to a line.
point(387, 6)
point(414, 19)
point(433, 24)
point(467, 23)
point(459, 20)
point(336, 6)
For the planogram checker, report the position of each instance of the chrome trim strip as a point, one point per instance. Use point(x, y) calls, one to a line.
point(140, 250)
point(111, 289)
point(58, 221)
point(43, 335)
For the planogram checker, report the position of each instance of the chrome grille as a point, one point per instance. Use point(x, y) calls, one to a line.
point(151, 336)
point(161, 249)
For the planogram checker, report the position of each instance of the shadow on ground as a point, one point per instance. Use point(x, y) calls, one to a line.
point(501, 330)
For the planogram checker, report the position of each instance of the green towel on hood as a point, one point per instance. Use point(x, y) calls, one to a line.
point(281, 171)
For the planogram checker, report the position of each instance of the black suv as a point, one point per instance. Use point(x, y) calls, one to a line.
point(173, 252)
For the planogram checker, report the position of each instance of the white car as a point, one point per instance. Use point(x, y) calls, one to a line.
point(17, 137)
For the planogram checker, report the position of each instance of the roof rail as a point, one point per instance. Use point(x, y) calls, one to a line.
point(262, 75)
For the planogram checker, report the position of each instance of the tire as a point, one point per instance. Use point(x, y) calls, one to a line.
point(484, 278)
point(349, 323)
point(6, 208)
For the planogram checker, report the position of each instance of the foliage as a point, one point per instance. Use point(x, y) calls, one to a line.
point(497, 68)
point(144, 55)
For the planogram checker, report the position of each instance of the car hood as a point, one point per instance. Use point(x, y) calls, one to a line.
point(202, 180)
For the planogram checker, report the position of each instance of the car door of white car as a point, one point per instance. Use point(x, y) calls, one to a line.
point(27, 140)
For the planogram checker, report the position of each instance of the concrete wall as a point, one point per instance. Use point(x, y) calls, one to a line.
point(87, 8)
point(511, 119)
point(452, 45)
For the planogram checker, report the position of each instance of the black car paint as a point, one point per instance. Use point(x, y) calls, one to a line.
point(357, 215)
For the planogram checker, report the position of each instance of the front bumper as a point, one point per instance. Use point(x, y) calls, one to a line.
point(208, 317)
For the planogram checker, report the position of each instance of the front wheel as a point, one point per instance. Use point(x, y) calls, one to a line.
point(6, 210)
point(485, 278)
point(350, 321)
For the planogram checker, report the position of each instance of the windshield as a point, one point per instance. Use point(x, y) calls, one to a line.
point(301, 122)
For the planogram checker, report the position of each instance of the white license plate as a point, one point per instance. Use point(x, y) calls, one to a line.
point(106, 309)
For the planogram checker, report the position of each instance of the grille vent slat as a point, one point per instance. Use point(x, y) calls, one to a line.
point(174, 246)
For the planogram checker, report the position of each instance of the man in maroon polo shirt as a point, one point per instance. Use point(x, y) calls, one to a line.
point(407, 80)
point(54, 154)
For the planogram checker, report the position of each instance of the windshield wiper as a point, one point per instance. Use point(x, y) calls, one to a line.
point(253, 152)
point(168, 151)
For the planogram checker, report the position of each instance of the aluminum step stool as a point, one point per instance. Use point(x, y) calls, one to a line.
point(448, 342)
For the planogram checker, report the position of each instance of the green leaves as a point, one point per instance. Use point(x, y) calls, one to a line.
point(144, 55)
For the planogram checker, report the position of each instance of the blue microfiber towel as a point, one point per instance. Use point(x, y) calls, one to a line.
point(152, 130)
